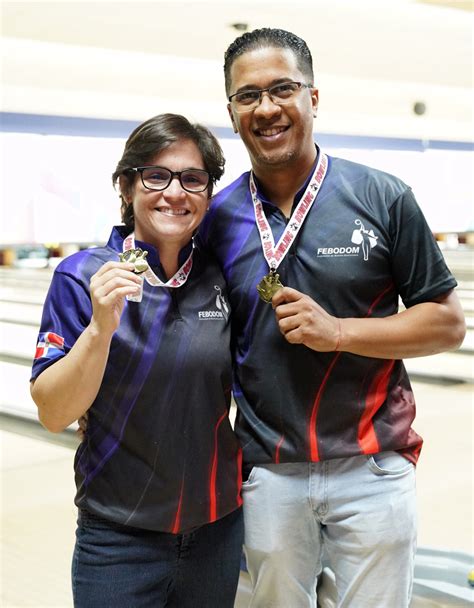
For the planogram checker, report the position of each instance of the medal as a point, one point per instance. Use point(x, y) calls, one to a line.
point(137, 256)
point(274, 255)
point(269, 285)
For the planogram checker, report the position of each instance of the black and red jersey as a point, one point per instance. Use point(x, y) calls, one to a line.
point(159, 451)
point(364, 244)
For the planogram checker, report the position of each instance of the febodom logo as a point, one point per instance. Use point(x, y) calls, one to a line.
point(222, 311)
point(361, 238)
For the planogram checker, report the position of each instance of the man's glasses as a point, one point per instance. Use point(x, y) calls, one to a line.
point(248, 100)
point(159, 178)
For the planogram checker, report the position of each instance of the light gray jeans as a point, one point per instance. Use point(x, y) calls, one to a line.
point(357, 514)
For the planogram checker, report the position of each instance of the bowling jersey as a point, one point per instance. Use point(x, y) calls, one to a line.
point(159, 451)
point(363, 245)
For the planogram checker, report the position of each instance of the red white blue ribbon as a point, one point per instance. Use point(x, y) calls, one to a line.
point(178, 279)
point(275, 254)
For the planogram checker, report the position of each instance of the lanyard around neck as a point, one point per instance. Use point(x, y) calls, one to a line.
point(274, 254)
point(178, 279)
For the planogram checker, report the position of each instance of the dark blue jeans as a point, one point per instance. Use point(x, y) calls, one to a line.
point(116, 566)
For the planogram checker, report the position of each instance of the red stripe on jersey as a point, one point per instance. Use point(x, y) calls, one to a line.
point(212, 483)
point(177, 519)
point(378, 298)
point(412, 453)
point(277, 451)
point(375, 398)
point(416, 450)
point(313, 436)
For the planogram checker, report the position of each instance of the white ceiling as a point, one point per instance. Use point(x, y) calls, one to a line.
point(396, 39)
point(383, 46)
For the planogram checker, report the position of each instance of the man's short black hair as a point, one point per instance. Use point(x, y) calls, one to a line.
point(269, 37)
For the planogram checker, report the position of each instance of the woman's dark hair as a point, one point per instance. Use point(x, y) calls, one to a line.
point(269, 37)
point(153, 136)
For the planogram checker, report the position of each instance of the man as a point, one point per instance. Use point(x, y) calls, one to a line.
point(316, 252)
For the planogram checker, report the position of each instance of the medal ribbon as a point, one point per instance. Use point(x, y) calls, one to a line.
point(176, 280)
point(274, 255)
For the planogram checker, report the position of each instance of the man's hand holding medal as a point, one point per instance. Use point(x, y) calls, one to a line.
point(301, 320)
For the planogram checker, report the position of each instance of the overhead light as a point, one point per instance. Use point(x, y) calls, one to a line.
point(419, 107)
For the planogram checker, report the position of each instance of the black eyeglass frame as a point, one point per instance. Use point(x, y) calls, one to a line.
point(173, 174)
point(301, 85)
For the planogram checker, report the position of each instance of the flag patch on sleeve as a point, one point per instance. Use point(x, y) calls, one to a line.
point(49, 345)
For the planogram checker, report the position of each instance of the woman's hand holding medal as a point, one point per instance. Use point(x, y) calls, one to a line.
point(302, 321)
point(110, 285)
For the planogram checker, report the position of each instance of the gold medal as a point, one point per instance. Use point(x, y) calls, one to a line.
point(137, 258)
point(269, 285)
point(272, 253)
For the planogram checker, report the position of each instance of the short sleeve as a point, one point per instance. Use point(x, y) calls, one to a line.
point(66, 313)
point(418, 266)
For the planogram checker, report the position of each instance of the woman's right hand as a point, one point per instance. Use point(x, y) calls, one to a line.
point(108, 287)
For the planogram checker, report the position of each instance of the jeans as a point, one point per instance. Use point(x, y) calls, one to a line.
point(117, 566)
point(358, 514)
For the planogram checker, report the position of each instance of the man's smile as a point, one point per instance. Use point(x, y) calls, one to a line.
point(270, 131)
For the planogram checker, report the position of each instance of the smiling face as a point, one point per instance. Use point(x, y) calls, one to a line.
point(169, 217)
point(276, 136)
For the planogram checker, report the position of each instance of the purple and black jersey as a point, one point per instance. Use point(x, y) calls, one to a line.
point(159, 451)
point(363, 244)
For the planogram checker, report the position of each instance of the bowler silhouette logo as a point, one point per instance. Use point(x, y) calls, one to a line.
point(221, 303)
point(365, 238)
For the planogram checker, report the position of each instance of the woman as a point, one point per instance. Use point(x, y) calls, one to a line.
point(158, 471)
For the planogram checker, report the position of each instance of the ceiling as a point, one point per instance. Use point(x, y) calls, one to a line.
point(426, 40)
point(401, 43)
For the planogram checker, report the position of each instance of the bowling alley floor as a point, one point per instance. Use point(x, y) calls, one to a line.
point(38, 514)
